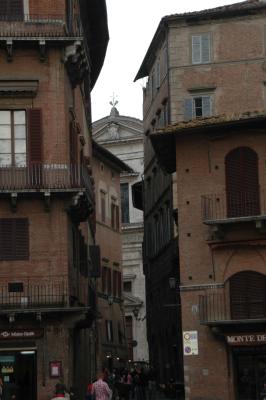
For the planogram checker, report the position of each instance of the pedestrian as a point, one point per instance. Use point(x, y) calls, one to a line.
point(89, 393)
point(100, 389)
point(60, 390)
point(263, 392)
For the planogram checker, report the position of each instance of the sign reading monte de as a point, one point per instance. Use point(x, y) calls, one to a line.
point(20, 334)
point(250, 339)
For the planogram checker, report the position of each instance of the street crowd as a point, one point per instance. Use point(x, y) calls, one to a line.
point(121, 384)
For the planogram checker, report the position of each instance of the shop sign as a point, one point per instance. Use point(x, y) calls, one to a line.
point(20, 334)
point(190, 343)
point(246, 339)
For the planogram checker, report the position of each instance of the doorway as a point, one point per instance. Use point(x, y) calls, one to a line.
point(250, 370)
point(19, 374)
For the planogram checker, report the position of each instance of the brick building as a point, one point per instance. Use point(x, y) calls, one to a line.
point(52, 53)
point(111, 338)
point(214, 86)
point(123, 136)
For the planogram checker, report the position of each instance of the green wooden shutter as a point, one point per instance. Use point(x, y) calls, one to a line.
point(205, 48)
point(196, 49)
point(206, 106)
point(188, 109)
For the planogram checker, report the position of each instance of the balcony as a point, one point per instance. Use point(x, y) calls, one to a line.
point(44, 178)
point(31, 294)
point(233, 207)
point(217, 309)
point(32, 26)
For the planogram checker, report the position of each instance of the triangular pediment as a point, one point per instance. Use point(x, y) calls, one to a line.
point(132, 301)
point(115, 129)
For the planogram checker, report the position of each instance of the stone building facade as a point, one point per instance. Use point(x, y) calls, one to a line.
point(215, 144)
point(112, 351)
point(52, 53)
point(123, 136)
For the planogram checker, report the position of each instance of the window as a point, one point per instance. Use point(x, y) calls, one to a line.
point(114, 283)
point(11, 9)
point(13, 138)
point(201, 48)
point(15, 287)
point(103, 206)
point(109, 281)
point(119, 278)
point(158, 74)
point(127, 287)
point(124, 202)
point(248, 295)
point(109, 331)
point(198, 106)
point(14, 239)
point(129, 335)
point(120, 334)
point(104, 276)
point(242, 183)
point(114, 215)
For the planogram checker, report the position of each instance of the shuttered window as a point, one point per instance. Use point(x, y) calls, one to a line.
point(13, 138)
point(14, 239)
point(198, 106)
point(242, 183)
point(124, 189)
point(248, 295)
point(201, 48)
point(35, 135)
point(11, 9)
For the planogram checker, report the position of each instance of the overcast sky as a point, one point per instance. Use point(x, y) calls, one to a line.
point(132, 24)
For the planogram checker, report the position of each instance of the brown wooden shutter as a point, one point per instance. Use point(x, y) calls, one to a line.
point(109, 281)
point(35, 135)
point(15, 8)
point(3, 8)
point(95, 255)
point(248, 295)
point(14, 239)
point(114, 283)
point(242, 182)
point(21, 227)
point(73, 143)
point(104, 279)
point(117, 217)
point(119, 283)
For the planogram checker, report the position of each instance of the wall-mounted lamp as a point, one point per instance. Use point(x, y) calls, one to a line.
point(172, 282)
point(11, 318)
point(110, 300)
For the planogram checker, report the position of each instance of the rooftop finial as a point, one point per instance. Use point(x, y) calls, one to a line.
point(114, 101)
point(114, 112)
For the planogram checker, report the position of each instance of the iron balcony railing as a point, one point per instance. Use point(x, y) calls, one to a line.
point(214, 307)
point(34, 294)
point(45, 176)
point(223, 206)
point(217, 308)
point(38, 25)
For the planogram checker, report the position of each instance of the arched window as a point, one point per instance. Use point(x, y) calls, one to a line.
point(248, 295)
point(242, 183)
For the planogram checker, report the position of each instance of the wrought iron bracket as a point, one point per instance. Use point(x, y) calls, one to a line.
point(42, 45)
point(261, 226)
point(14, 199)
point(47, 201)
point(9, 50)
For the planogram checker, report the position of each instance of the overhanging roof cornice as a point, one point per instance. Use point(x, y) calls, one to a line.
point(164, 140)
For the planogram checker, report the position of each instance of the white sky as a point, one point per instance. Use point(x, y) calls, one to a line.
point(132, 24)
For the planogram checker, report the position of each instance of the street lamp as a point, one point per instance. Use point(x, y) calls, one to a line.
point(172, 282)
